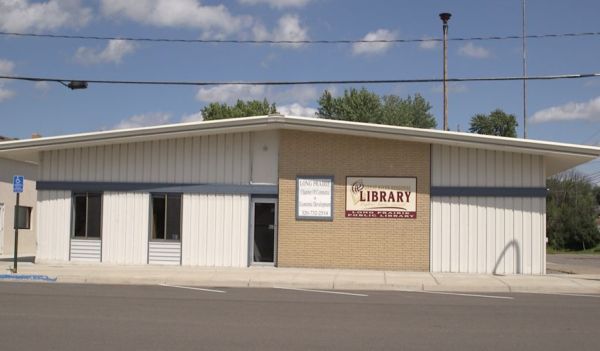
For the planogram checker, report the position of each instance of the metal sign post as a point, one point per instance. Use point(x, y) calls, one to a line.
point(18, 189)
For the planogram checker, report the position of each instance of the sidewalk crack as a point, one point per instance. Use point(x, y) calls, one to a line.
point(434, 279)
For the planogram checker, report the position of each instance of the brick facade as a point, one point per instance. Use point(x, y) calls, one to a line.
point(360, 243)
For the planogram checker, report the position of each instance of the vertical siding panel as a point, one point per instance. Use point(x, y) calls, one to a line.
point(188, 161)
point(228, 159)
point(445, 233)
point(246, 160)
point(454, 166)
point(435, 249)
point(205, 159)
point(69, 166)
point(518, 234)
point(211, 221)
point(204, 219)
point(179, 160)
point(436, 165)
point(62, 161)
point(108, 155)
point(237, 159)
point(446, 164)
point(84, 164)
point(536, 235)
point(220, 158)
point(212, 158)
point(195, 160)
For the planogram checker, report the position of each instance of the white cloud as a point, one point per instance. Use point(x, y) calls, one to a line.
point(301, 94)
point(589, 110)
point(374, 48)
point(23, 15)
point(231, 93)
point(278, 4)
point(114, 52)
point(288, 28)
point(428, 44)
point(144, 120)
point(6, 68)
point(215, 20)
point(194, 117)
point(296, 109)
point(44, 87)
point(474, 51)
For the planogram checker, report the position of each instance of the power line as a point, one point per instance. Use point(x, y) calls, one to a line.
point(333, 41)
point(304, 82)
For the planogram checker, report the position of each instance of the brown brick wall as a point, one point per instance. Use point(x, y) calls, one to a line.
point(362, 243)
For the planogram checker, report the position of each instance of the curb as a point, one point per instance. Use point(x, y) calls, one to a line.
point(27, 277)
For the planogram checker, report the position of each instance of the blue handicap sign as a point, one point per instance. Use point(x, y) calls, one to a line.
point(18, 184)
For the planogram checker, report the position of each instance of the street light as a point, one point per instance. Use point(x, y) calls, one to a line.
point(75, 84)
point(445, 16)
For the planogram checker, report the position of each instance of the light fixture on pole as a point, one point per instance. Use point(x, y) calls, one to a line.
point(75, 84)
point(445, 16)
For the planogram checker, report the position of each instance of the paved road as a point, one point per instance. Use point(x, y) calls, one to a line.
point(573, 263)
point(37, 316)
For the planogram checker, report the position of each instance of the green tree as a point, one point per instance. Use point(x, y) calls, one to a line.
point(497, 123)
point(241, 108)
point(571, 210)
point(365, 106)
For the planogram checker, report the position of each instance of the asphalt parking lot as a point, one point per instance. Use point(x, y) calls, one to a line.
point(573, 263)
point(99, 317)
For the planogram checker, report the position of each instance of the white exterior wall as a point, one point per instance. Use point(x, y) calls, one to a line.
point(54, 215)
point(215, 227)
point(215, 230)
point(501, 235)
point(125, 223)
point(218, 159)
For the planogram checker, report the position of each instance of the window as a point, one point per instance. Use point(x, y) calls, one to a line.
point(166, 217)
point(23, 217)
point(87, 219)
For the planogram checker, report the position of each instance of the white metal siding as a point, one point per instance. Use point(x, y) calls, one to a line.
point(54, 229)
point(88, 250)
point(125, 222)
point(487, 234)
point(220, 159)
point(265, 157)
point(215, 230)
point(164, 252)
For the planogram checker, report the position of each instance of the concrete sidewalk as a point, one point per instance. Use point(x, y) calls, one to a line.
point(304, 278)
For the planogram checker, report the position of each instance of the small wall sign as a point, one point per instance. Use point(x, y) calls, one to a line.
point(314, 197)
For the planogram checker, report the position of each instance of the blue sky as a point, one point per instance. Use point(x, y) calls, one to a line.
point(565, 111)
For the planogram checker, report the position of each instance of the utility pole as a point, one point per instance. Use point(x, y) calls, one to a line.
point(445, 17)
point(524, 73)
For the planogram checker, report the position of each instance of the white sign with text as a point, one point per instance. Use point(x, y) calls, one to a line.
point(314, 198)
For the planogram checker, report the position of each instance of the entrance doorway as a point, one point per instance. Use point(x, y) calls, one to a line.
point(264, 231)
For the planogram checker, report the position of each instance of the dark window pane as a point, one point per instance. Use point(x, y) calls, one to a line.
point(173, 217)
point(158, 217)
point(94, 215)
point(80, 214)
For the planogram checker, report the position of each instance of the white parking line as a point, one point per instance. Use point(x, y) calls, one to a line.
point(322, 291)
point(191, 288)
point(469, 295)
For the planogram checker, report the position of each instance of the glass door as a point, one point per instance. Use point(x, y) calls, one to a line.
point(264, 231)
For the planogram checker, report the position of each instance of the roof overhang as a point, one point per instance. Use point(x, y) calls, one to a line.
point(558, 156)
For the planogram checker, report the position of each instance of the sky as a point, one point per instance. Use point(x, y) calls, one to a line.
point(560, 110)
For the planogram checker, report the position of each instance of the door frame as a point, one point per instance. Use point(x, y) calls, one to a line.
point(253, 202)
point(2, 226)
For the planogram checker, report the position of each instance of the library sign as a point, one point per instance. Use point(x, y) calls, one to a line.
point(314, 198)
point(381, 197)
